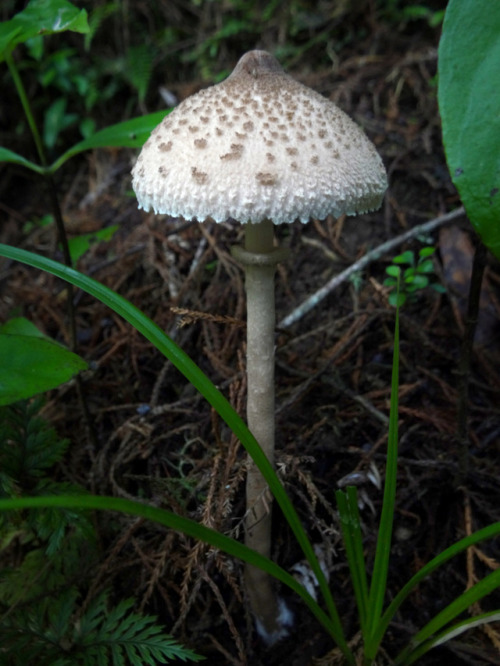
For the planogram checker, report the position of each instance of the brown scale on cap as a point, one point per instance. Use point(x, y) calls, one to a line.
point(258, 146)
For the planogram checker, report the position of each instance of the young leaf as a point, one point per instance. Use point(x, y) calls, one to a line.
point(405, 258)
point(426, 252)
point(7, 155)
point(393, 271)
point(426, 266)
point(41, 17)
point(80, 244)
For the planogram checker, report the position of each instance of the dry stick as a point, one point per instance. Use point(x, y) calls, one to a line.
point(476, 281)
point(373, 255)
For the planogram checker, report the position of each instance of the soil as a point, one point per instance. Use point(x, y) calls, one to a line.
point(150, 435)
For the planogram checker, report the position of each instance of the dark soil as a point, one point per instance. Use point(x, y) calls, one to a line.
point(151, 436)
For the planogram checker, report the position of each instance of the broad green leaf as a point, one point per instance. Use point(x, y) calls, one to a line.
point(31, 363)
point(22, 326)
point(469, 103)
point(128, 134)
point(41, 17)
point(7, 155)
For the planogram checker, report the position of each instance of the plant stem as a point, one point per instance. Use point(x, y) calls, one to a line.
point(61, 230)
point(26, 106)
point(476, 281)
point(259, 259)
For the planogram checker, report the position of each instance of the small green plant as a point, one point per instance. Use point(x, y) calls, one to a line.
point(374, 616)
point(413, 274)
point(29, 27)
point(41, 620)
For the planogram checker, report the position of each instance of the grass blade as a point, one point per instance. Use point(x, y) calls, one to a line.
point(452, 632)
point(457, 548)
point(172, 520)
point(381, 564)
point(421, 643)
point(351, 533)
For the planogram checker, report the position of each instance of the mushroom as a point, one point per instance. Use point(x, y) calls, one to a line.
point(262, 149)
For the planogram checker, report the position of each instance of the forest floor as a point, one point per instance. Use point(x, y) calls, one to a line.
point(151, 436)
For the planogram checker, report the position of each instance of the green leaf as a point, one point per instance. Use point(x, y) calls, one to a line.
point(423, 640)
point(383, 550)
point(405, 258)
point(426, 266)
point(128, 134)
point(7, 155)
point(41, 17)
point(32, 363)
point(469, 103)
point(393, 271)
point(350, 523)
point(426, 252)
point(459, 547)
point(415, 282)
point(139, 67)
point(80, 244)
point(56, 120)
point(396, 299)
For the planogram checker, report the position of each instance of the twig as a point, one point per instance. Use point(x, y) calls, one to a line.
point(373, 255)
point(476, 281)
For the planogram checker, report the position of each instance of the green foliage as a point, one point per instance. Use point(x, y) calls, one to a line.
point(417, 275)
point(370, 597)
point(28, 446)
point(41, 17)
point(401, 10)
point(41, 621)
point(79, 245)
point(469, 100)
point(55, 631)
point(74, 85)
point(32, 362)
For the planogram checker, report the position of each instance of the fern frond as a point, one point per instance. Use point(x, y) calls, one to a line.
point(139, 67)
point(108, 637)
point(28, 445)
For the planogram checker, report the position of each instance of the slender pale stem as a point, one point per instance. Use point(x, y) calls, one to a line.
point(259, 258)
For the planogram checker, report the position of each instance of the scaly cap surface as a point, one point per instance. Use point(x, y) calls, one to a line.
point(258, 145)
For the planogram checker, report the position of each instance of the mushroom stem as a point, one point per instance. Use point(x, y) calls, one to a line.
point(259, 259)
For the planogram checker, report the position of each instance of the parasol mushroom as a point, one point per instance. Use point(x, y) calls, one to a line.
point(262, 149)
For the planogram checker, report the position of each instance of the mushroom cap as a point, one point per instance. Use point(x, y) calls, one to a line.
point(258, 146)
